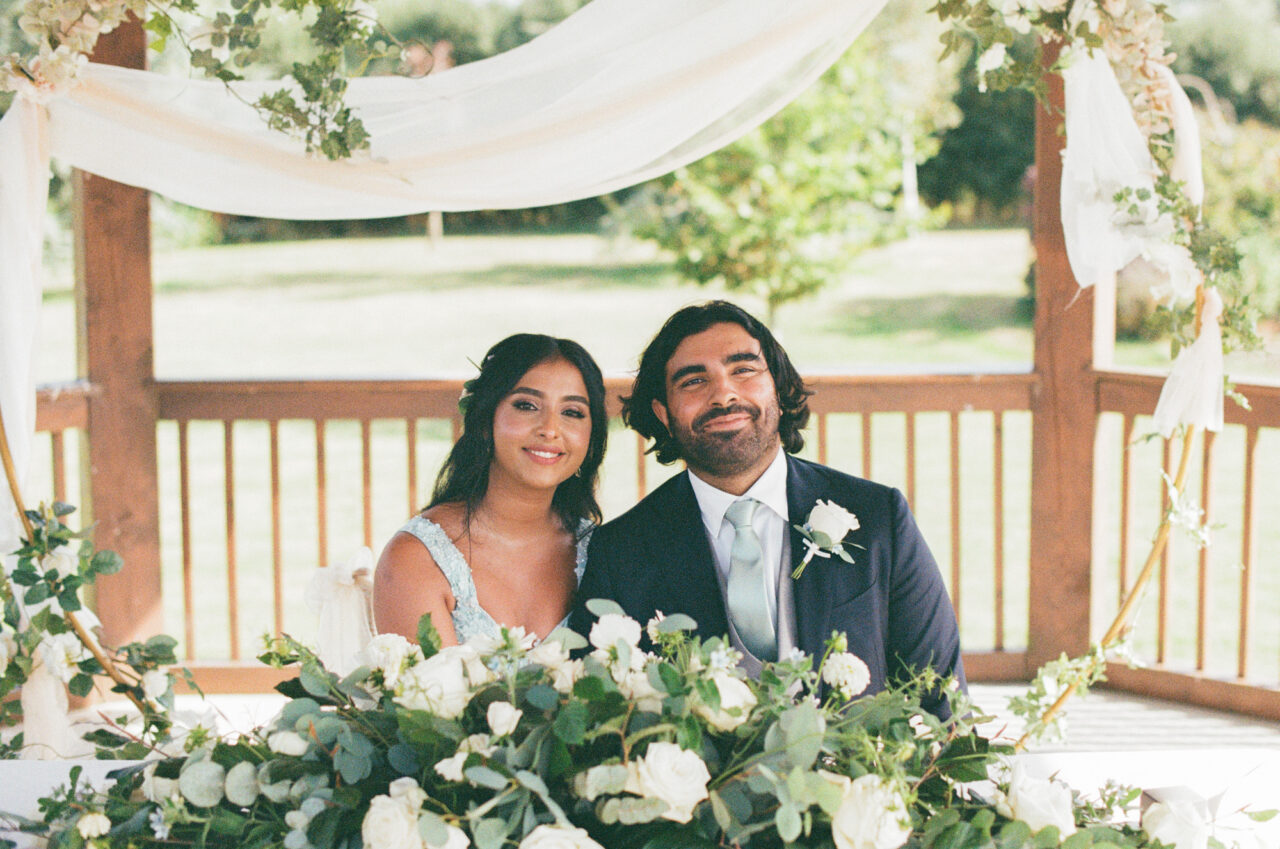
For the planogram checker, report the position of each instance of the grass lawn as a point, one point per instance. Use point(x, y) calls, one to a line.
point(400, 307)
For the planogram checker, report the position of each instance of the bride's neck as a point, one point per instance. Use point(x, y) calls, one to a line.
point(512, 509)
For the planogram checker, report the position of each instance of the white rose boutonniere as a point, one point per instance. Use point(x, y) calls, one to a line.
point(824, 532)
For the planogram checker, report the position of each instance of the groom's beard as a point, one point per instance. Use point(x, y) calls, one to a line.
point(723, 453)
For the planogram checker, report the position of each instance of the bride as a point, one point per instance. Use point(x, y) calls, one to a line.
point(504, 539)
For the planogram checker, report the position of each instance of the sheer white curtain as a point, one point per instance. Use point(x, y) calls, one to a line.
point(622, 91)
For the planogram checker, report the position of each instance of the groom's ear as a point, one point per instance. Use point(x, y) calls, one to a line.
point(660, 410)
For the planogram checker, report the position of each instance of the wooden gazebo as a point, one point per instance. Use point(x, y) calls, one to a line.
point(118, 404)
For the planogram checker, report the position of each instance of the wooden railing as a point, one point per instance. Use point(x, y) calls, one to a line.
point(263, 480)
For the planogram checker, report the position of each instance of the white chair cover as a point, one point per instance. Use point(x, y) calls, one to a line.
point(341, 598)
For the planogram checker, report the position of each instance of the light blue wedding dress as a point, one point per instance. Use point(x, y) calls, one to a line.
point(469, 618)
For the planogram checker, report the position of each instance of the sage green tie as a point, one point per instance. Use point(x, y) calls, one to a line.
point(749, 586)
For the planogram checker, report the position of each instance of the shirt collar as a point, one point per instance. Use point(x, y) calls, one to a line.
point(769, 489)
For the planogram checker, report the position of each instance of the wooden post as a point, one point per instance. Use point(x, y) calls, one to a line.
point(1064, 415)
point(114, 352)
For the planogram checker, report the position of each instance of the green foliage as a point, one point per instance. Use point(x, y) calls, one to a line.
point(779, 212)
point(1230, 45)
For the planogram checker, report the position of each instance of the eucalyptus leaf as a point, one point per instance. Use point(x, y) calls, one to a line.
point(542, 696)
point(106, 563)
point(486, 777)
point(604, 607)
point(403, 758)
point(314, 680)
point(571, 723)
point(432, 829)
point(489, 833)
point(1079, 840)
point(677, 622)
point(787, 820)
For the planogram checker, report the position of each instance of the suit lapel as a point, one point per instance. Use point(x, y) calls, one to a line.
point(690, 564)
point(811, 591)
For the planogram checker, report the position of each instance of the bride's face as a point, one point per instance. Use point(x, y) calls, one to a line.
point(542, 429)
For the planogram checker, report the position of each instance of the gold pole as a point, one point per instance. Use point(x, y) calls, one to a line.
point(1121, 623)
point(81, 632)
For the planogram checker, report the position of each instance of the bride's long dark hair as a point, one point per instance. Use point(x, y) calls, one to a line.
point(464, 477)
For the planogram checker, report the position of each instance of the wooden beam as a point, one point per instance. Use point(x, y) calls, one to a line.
point(1190, 689)
point(1064, 414)
point(114, 351)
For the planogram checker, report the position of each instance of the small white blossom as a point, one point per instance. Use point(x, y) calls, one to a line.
point(159, 826)
point(408, 791)
point(613, 628)
point(91, 825)
point(503, 718)
point(59, 654)
point(450, 769)
point(674, 775)
point(390, 654)
point(652, 627)
point(155, 684)
point(60, 561)
point(846, 673)
point(736, 702)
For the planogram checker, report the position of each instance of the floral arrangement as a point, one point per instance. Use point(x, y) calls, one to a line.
point(506, 742)
point(824, 532)
point(48, 647)
point(345, 35)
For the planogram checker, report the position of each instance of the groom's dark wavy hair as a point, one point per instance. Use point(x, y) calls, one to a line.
point(464, 477)
point(651, 379)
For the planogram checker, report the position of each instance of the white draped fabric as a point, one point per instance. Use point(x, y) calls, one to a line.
point(620, 92)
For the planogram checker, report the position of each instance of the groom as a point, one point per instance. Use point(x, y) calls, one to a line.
point(716, 390)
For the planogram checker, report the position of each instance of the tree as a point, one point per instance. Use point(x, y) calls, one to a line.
point(778, 213)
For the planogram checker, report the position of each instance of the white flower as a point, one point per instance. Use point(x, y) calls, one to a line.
point(831, 520)
point(159, 827)
point(390, 824)
point(450, 769)
point(846, 673)
point(652, 627)
point(503, 718)
point(155, 683)
point(242, 784)
point(439, 684)
point(1040, 802)
point(288, 743)
point(389, 653)
point(407, 791)
point(478, 743)
point(634, 684)
point(1181, 826)
point(554, 657)
point(872, 815)
point(93, 825)
point(674, 775)
point(201, 783)
point(59, 654)
point(556, 837)
point(991, 59)
point(297, 820)
point(8, 647)
point(611, 628)
point(736, 702)
point(456, 839)
point(60, 560)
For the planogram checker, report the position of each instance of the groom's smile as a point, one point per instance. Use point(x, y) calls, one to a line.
point(721, 404)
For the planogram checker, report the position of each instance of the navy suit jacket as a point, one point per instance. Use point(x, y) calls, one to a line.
point(891, 602)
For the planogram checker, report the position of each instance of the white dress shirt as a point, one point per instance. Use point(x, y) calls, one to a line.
point(769, 521)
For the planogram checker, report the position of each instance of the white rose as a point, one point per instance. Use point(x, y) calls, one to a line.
point(478, 743)
point(477, 671)
point(60, 560)
point(872, 815)
point(390, 824)
point(201, 783)
point(438, 685)
point(846, 673)
point(450, 769)
point(549, 654)
point(562, 678)
point(611, 628)
point(557, 837)
point(155, 683)
point(288, 743)
point(1040, 802)
point(457, 839)
point(59, 654)
point(8, 648)
point(503, 718)
point(634, 684)
point(408, 792)
point(242, 784)
point(735, 696)
point(93, 825)
point(388, 653)
point(674, 775)
point(832, 520)
point(1179, 826)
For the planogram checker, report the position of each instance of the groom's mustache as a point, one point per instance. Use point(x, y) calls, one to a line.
point(733, 409)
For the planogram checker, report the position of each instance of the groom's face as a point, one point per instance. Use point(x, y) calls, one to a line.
point(722, 405)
